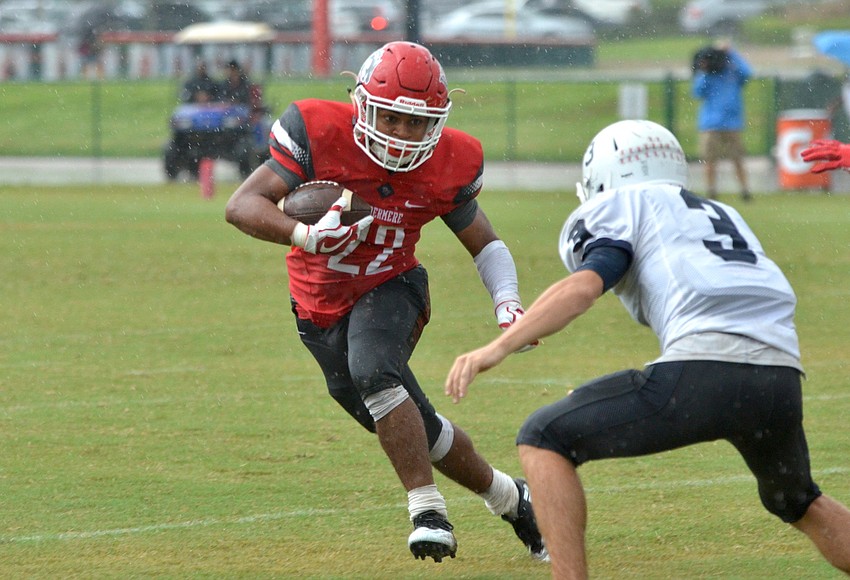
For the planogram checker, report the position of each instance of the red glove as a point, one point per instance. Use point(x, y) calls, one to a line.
point(830, 153)
point(507, 313)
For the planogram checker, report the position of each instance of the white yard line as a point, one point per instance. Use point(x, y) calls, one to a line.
point(247, 520)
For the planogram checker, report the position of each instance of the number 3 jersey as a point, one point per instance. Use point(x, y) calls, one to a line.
point(313, 140)
point(696, 265)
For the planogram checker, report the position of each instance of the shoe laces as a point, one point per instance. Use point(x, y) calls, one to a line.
point(432, 519)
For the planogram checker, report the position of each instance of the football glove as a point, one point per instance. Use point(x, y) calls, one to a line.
point(507, 313)
point(829, 153)
point(328, 236)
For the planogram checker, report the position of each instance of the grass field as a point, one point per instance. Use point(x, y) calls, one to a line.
point(159, 417)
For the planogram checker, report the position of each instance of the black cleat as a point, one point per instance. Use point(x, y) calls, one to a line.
point(432, 537)
point(525, 525)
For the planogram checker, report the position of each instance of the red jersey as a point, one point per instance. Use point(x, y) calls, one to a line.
point(313, 139)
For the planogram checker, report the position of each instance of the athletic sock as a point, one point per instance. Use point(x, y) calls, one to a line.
point(425, 498)
point(503, 496)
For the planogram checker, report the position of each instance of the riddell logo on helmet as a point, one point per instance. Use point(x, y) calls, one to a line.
point(411, 102)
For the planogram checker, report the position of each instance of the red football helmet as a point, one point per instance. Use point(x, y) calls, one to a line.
point(406, 78)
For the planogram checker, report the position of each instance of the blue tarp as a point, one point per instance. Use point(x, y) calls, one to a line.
point(835, 44)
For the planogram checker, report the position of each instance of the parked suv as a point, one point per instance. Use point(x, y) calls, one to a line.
point(614, 12)
point(601, 14)
point(488, 18)
point(722, 16)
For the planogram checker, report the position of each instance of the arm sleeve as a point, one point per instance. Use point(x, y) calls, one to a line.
point(610, 262)
point(498, 272)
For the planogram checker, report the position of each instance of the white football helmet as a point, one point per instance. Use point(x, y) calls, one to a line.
point(406, 78)
point(628, 153)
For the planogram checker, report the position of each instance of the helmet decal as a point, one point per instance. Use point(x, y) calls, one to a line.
point(365, 75)
point(631, 152)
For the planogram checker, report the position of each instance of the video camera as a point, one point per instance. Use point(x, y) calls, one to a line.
point(710, 60)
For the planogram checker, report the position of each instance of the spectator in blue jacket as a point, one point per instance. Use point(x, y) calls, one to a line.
point(720, 74)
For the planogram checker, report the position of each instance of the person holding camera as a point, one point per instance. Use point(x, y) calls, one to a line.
point(720, 74)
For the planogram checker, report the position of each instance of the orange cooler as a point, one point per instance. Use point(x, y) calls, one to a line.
point(795, 129)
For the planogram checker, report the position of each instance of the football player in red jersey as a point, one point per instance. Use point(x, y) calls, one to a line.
point(359, 294)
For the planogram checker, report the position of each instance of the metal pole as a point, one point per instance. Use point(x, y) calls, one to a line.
point(670, 103)
point(511, 117)
point(770, 129)
point(411, 27)
point(96, 125)
point(321, 60)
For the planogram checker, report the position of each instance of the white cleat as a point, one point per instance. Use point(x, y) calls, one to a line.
point(432, 537)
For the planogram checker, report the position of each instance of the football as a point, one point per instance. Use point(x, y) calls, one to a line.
point(310, 201)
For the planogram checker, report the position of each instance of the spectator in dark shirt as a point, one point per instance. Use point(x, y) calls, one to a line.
point(200, 88)
point(90, 49)
point(236, 88)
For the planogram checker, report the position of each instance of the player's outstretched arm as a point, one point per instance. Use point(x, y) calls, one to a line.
point(827, 154)
point(497, 270)
point(559, 305)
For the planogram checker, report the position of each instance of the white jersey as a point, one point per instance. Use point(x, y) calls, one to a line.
point(697, 267)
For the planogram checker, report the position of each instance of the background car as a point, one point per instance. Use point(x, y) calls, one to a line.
point(347, 17)
point(133, 15)
point(366, 16)
point(490, 20)
point(602, 13)
point(42, 17)
point(174, 15)
point(615, 12)
point(722, 16)
point(291, 15)
point(217, 10)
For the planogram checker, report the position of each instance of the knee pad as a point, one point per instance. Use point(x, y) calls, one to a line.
point(443, 444)
point(384, 401)
point(439, 430)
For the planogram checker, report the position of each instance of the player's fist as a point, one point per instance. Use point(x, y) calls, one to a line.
point(828, 154)
point(328, 235)
point(507, 313)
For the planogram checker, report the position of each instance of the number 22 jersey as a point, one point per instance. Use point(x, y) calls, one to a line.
point(313, 140)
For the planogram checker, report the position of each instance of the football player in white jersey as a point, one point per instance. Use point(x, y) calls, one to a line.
point(693, 271)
